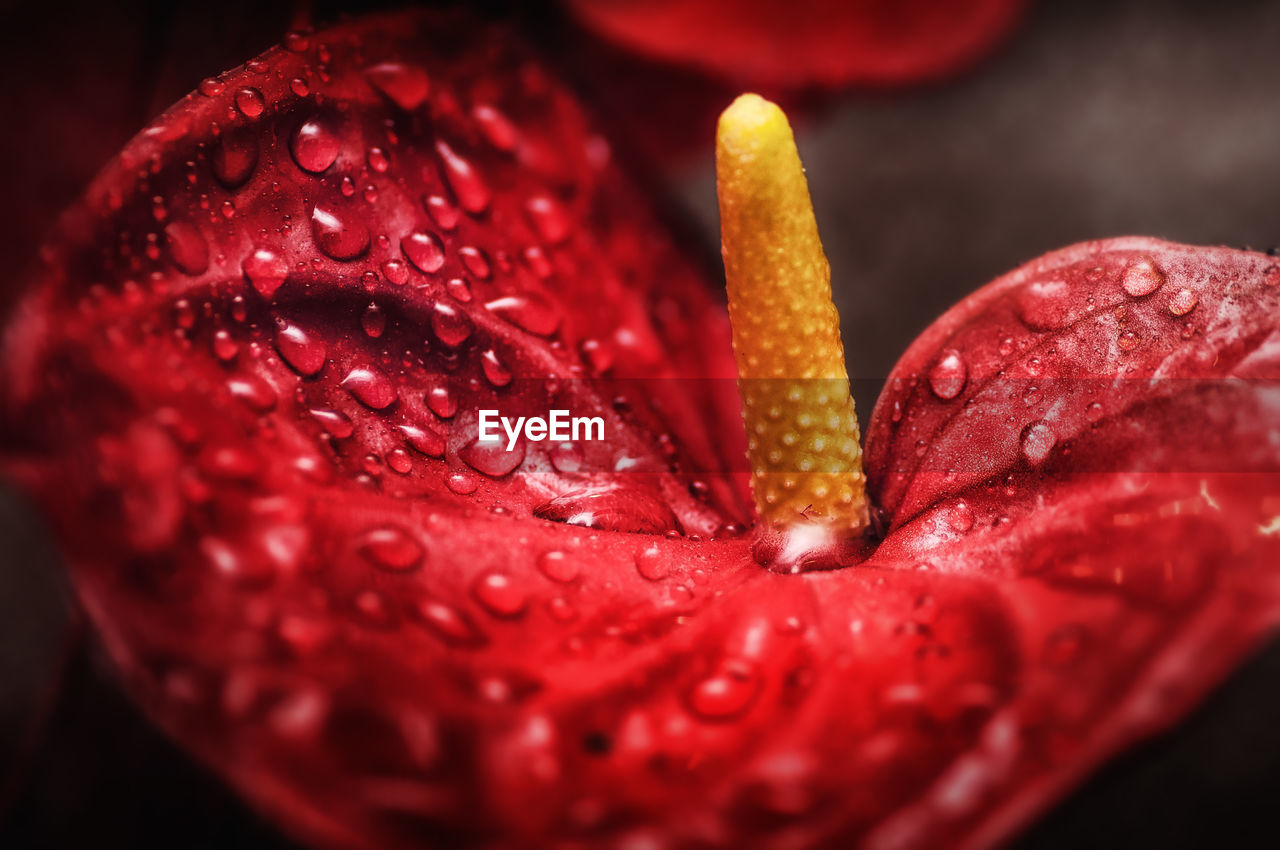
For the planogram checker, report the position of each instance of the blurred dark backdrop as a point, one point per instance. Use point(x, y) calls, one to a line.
point(1099, 118)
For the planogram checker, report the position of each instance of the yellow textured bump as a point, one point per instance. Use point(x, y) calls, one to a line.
point(804, 447)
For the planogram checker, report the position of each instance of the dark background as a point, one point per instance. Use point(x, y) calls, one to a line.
point(1098, 119)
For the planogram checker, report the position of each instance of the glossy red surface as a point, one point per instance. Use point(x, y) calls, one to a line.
point(244, 385)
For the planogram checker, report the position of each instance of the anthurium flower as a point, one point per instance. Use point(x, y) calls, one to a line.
point(246, 387)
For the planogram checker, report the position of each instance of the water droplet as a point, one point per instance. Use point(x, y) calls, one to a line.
point(374, 321)
point(725, 694)
point(562, 610)
point(314, 146)
point(184, 315)
point(441, 402)
point(304, 351)
point(499, 595)
point(424, 250)
point(450, 624)
point(391, 548)
point(1094, 412)
point(451, 326)
point(536, 259)
point(296, 42)
point(443, 213)
point(250, 102)
point(475, 262)
point(300, 87)
point(491, 457)
point(235, 157)
point(224, 347)
point(462, 483)
point(1183, 302)
point(1038, 439)
point(566, 457)
point(187, 248)
point(341, 234)
point(406, 85)
point(458, 289)
point(468, 186)
point(423, 440)
point(1006, 347)
point(378, 161)
point(254, 392)
point(266, 271)
point(399, 461)
point(496, 127)
point(396, 271)
point(334, 422)
point(611, 508)
point(651, 564)
point(530, 312)
point(370, 387)
point(558, 567)
point(1127, 341)
point(947, 377)
point(373, 610)
point(548, 218)
point(1142, 277)
point(210, 87)
point(494, 369)
point(960, 517)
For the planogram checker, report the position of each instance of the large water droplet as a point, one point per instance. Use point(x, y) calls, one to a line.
point(491, 457)
point(442, 212)
point(530, 312)
point(391, 548)
point(266, 271)
point(396, 271)
point(559, 567)
point(475, 262)
point(1142, 277)
point(611, 508)
point(441, 402)
point(314, 145)
point(495, 371)
point(651, 564)
point(1038, 439)
point(250, 102)
point(548, 218)
point(947, 377)
point(304, 351)
point(462, 483)
point(1183, 302)
point(374, 321)
point(187, 248)
point(499, 595)
point(334, 421)
point(424, 440)
point(727, 693)
point(406, 85)
point(452, 326)
point(424, 250)
point(496, 127)
point(235, 157)
point(960, 517)
point(225, 347)
point(468, 186)
point(370, 387)
point(253, 391)
point(341, 234)
point(450, 624)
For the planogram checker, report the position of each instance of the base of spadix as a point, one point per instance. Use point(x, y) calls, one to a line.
point(808, 547)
